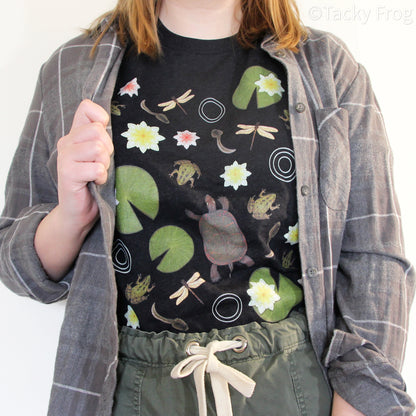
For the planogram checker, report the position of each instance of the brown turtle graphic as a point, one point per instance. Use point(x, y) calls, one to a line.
point(224, 243)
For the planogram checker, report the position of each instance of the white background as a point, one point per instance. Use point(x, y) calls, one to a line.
point(381, 35)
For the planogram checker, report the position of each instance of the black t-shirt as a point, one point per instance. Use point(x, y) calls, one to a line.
point(206, 224)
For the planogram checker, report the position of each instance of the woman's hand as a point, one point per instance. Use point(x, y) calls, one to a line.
point(83, 156)
point(341, 408)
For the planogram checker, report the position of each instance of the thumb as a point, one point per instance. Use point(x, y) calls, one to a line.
point(89, 112)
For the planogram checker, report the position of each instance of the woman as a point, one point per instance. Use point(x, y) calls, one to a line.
point(342, 254)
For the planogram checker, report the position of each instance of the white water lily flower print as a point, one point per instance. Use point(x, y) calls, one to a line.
point(130, 88)
point(235, 175)
point(132, 319)
point(270, 84)
point(262, 295)
point(143, 136)
point(186, 138)
point(292, 236)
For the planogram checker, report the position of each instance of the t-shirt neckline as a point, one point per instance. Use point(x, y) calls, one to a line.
point(171, 40)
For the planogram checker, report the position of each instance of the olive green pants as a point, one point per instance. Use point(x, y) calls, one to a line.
point(278, 357)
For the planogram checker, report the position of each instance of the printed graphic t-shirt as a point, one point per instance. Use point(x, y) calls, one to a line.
point(206, 222)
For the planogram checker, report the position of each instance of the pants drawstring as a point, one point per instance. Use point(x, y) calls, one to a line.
point(203, 359)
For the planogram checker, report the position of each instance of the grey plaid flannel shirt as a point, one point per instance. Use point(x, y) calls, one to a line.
point(358, 286)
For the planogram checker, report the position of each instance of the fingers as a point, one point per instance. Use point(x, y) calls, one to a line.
point(91, 152)
point(77, 175)
point(84, 154)
point(89, 123)
point(76, 163)
point(89, 133)
point(89, 112)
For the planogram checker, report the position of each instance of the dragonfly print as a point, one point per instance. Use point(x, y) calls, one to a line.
point(182, 293)
point(264, 131)
point(185, 97)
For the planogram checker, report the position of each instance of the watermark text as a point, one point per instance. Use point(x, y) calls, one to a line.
point(362, 15)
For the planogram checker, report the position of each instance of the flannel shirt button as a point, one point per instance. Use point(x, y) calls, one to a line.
point(312, 271)
point(280, 54)
point(304, 190)
point(300, 107)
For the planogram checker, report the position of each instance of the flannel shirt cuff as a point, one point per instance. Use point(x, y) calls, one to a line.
point(23, 262)
point(363, 376)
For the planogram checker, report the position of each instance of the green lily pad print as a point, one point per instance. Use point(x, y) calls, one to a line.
point(259, 80)
point(270, 303)
point(174, 245)
point(134, 187)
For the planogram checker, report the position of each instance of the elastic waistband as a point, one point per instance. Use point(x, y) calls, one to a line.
point(167, 348)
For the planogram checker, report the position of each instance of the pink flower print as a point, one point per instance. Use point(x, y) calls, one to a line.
point(186, 138)
point(130, 88)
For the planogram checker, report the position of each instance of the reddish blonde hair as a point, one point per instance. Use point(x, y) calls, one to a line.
point(137, 20)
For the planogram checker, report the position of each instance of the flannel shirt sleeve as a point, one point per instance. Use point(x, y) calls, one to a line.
point(374, 283)
point(30, 195)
